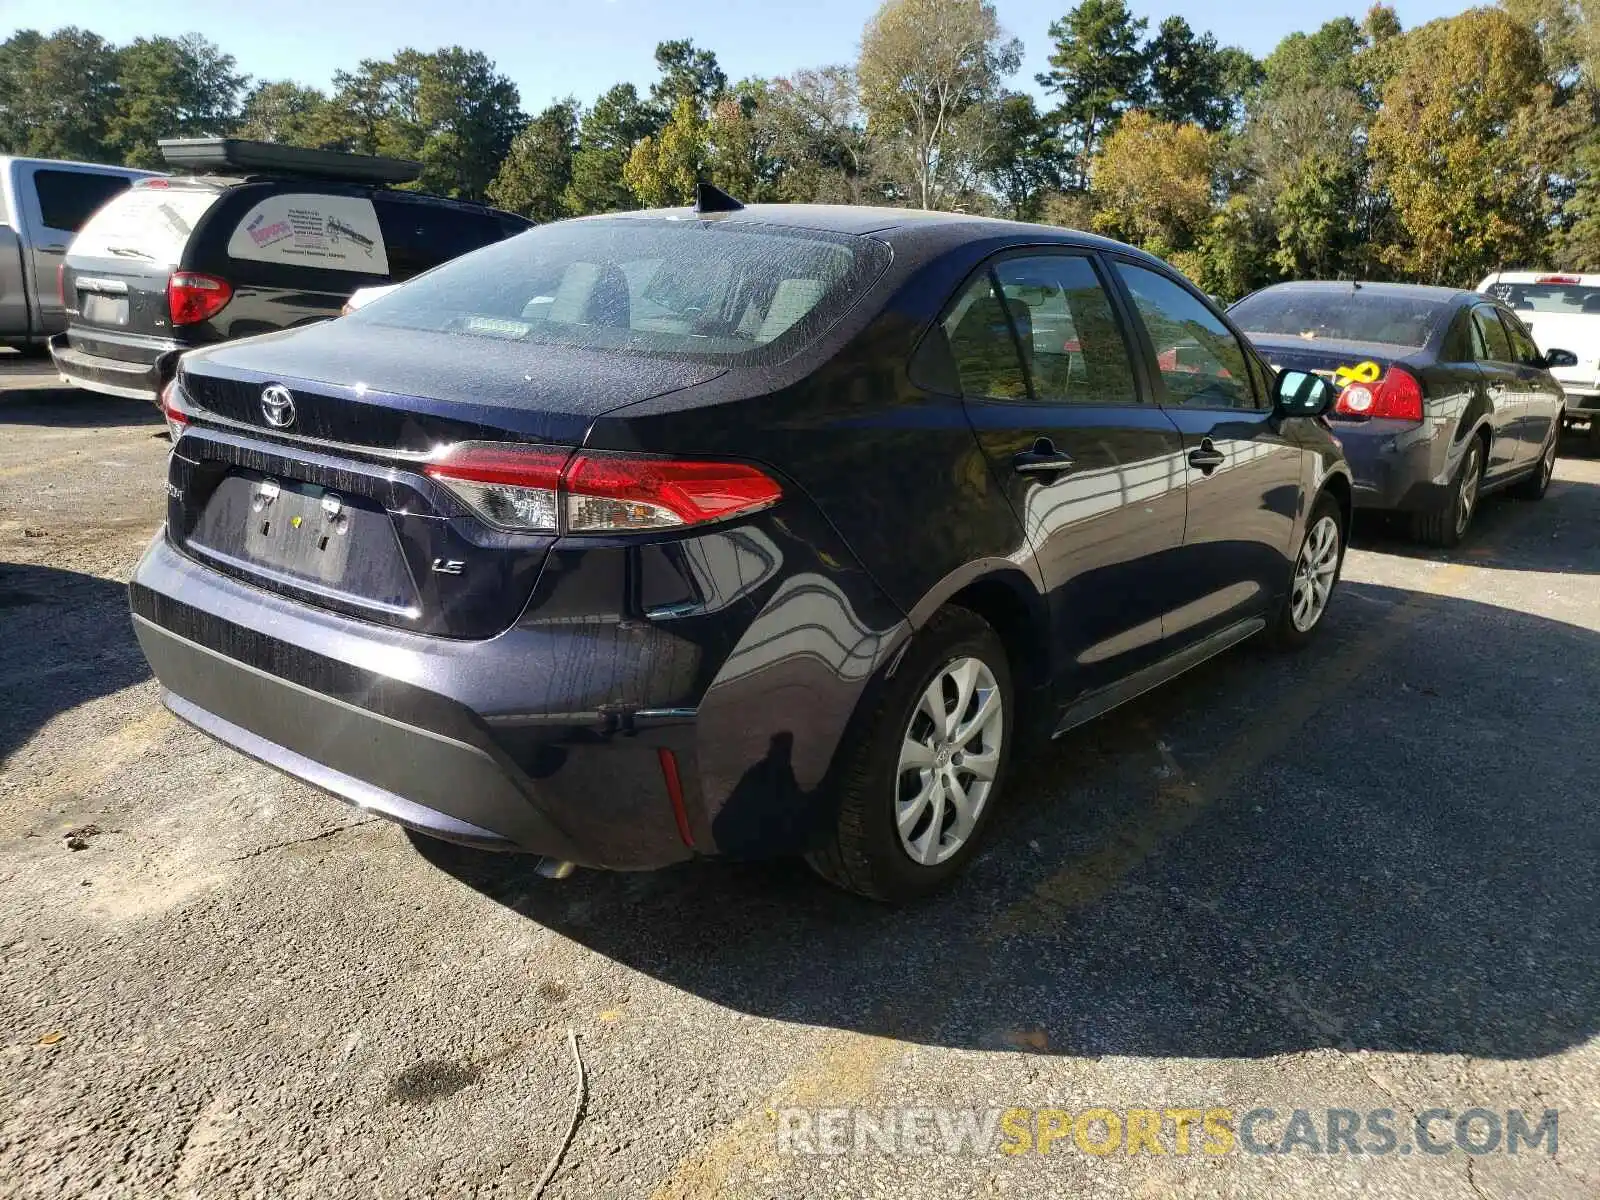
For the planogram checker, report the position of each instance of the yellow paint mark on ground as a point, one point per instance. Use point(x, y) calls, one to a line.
point(848, 1070)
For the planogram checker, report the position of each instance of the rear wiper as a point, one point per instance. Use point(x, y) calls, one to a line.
point(129, 252)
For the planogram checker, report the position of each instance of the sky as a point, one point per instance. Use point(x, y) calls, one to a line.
point(555, 48)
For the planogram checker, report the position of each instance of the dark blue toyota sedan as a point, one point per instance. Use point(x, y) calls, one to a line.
point(732, 531)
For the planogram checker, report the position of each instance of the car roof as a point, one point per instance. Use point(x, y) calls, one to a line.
point(1416, 291)
point(897, 226)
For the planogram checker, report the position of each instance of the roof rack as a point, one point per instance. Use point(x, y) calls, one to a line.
point(221, 155)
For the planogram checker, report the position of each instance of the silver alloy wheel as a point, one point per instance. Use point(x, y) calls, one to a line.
point(1467, 493)
point(1314, 574)
point(948, 761)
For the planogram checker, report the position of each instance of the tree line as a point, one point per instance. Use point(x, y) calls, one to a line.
point(1358, 150)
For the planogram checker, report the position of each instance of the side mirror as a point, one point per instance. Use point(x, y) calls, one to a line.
point(1302, 394)
point(1560, 358)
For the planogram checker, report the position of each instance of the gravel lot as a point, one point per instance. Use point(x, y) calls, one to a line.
point(1362, 878)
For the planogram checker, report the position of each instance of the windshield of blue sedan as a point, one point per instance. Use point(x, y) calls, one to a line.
point(693, 289)
point(1343, 314)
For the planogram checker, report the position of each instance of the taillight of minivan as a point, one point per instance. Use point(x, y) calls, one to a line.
point(193, 297)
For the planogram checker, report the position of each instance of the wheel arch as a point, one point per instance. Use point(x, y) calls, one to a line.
point(1011, 601)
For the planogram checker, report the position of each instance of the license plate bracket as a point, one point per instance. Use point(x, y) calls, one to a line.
point(299, 528)
point(99, 308)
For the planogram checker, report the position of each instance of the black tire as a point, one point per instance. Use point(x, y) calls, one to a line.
point(1443, 526)
point(1283, 633)
point(863, 852)
point(1536, 484)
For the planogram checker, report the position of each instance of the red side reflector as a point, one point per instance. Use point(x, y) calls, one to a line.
point(193, 297)
point(1566, 279)
point(1397, 396)
point(669, 772)
point(61, 283)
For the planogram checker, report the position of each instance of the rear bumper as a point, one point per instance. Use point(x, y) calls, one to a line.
point(110, 376)
point(416, 729)
point(1394, 465)
point(548, 737)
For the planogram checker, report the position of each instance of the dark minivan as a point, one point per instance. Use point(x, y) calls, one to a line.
point(262, 237)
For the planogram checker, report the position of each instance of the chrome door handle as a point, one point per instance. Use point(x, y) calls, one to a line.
point(1207, 458)
point(1043, 459)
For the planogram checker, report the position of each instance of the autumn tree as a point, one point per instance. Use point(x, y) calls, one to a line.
point(1152, 182)
point(1464, 142)
point(816, 132)
point(925, 65)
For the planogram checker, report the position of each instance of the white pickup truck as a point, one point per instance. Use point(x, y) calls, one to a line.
point(1560, 309)
point(43, 204)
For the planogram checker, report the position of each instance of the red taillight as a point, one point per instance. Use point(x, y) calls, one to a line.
point(172, 409)
point(615, 492)
point(1562, 279)
point(549, 490)
point(1396, 396)
point(61, 283)
point(193, 297)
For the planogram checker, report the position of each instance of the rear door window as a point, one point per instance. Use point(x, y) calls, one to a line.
point(1070, 336)
point(420, 236)
point(979, 330)
point(67, 199)
point(1497, 346)
point(1523, 348)
point(312, 229)
point(145, 224)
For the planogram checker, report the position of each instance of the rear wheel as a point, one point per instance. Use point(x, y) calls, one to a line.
point(926, 766)
point(1538, 483)
point(1448, 523)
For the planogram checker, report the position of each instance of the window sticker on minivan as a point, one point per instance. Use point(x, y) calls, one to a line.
point(149, 224)
point(337, 233)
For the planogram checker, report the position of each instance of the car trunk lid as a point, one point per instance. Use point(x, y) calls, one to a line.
point(327, 498)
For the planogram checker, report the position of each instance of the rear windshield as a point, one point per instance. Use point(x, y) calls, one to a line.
point(145, 224)
point(1547, 297)
point(689, 289)
point(1347, 315)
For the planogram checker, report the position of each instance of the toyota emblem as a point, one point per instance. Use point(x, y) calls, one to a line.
point(277, 406)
